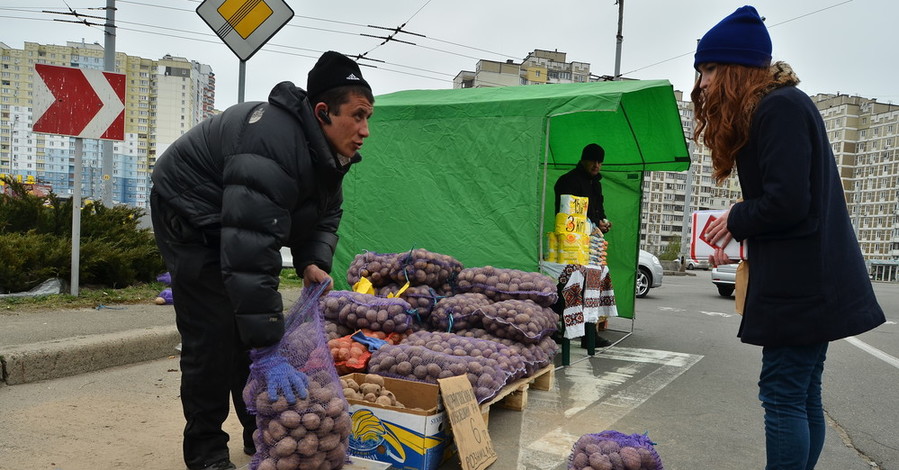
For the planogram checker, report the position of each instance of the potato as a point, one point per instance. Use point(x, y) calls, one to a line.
point(284, 447)
point(291, 462)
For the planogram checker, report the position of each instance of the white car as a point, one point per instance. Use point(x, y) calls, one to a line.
point(649, 273)
point(725, 277)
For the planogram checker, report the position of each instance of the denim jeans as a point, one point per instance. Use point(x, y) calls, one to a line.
point(790, 391)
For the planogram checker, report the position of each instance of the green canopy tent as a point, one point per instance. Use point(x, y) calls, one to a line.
point(469, 172)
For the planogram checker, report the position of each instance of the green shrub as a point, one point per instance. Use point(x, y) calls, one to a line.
point(36, 242)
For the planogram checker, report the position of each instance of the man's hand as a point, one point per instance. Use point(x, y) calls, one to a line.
point(314, 275)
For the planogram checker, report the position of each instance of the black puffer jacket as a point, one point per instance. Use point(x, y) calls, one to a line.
point(255, 178)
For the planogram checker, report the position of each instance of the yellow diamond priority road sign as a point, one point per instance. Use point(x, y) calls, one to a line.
point(245, 25)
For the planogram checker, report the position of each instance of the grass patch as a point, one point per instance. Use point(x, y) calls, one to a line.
point(90, 297)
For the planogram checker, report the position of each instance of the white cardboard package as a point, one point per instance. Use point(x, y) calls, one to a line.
point(700, 248)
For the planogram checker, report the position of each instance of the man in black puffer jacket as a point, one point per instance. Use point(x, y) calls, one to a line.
point(226, 196)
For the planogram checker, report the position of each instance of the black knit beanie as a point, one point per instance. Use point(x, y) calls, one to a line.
point(593, 152)
point(332, 70)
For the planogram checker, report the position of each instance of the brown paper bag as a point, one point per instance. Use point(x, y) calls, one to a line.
point(741, 283)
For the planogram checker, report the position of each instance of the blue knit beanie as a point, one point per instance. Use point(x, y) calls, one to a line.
point(740, 38)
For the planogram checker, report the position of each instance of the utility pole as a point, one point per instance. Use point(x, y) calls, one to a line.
point(109, 66)
point(688, 198)
point(619, 38)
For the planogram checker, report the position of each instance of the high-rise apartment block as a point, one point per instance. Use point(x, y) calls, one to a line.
point(864, 134)
point(163, 99)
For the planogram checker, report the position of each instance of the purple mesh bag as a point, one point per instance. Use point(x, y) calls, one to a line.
point(421, 298)
point(612, 450)
point(519, 320)
point(313, 433)
point(373, 266)
point(457, 345)
point(506, 284)
point(358, 311)
point(535, 356)
point(423, 267)
point(419, 363)
point(458, 312)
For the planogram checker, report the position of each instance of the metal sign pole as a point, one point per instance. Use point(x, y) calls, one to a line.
point(241, 80)
point(76, 216)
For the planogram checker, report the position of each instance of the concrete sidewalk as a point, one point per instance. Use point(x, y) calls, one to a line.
point(42, 345)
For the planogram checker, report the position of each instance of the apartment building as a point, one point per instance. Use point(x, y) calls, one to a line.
point(163, 98)
point(539, 67)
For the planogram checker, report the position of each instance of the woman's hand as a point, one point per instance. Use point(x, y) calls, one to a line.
point(718, 235)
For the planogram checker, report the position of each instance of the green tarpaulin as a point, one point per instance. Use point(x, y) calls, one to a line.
point(469, 172)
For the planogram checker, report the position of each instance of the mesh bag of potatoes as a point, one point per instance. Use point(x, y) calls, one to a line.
point(519, 320)
point(457, 345)
point(373, 266)
point(357, 311)
point(419, 363)
point(535, 356)
point(422, 298)
point(313, 433)
point(612, 450)
point(422, 267)
point(458, 312)
point(506, 284)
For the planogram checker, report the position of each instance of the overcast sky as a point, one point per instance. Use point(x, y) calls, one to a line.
point(835, 46)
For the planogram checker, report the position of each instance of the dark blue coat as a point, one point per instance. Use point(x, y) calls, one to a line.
point(807, 279)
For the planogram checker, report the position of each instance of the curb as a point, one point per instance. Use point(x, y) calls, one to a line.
point(72, 356)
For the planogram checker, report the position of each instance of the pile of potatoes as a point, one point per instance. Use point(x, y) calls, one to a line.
point(373, 266)
point(519, 320)
point(371, 390)
point(421, 298)
point(476, 348)
point(357, 311)
point(418, 267)
point(312, 434)
point(505, 284)
point(458, 312)
point(535, 356)
point(423, 267)
point(419, 363)
point(611, 450)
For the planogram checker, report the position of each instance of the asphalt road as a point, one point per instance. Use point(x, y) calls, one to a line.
point(861, 378)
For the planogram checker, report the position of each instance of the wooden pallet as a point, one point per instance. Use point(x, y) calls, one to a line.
point(514, 396)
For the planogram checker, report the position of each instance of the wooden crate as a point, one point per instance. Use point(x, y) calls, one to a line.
point(514, 396)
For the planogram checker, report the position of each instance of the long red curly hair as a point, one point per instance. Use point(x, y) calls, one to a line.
point(723, 111)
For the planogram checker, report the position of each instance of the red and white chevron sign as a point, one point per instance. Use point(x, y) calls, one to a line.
point(79, 102)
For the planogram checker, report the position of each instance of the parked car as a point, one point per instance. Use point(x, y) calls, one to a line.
point(697, 263)
point(724, 277)
point(649, 273)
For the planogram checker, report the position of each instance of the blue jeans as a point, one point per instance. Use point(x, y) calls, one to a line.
point(790, 391)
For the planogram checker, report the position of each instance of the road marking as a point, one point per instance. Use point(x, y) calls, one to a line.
point(717, 314)
point(672, 309)
point(873, 351)
point(600, 399)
